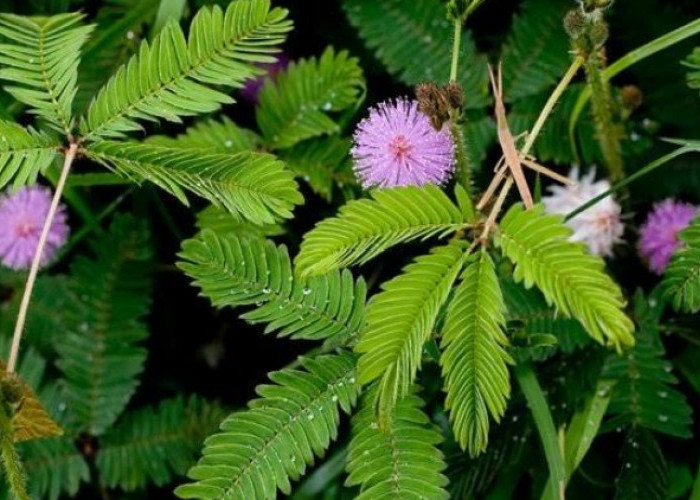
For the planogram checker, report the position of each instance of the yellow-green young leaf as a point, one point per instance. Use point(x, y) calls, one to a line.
point(29, 418)
point(41, 60)
point(570, 278)
point(24, 153)
point(474, 360)
point(682, 276)
point(366, 228)
point(255, 186)
point(399, 321)
point(174, 76)
point(297, 106)
point(401, 461)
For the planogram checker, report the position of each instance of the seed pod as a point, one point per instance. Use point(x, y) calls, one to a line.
point(454, 94)
point(599, 33)
point(632, 97)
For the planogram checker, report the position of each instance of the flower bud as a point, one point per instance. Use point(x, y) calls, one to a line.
point(599, 33)
point(632, 97)
point(575, 24)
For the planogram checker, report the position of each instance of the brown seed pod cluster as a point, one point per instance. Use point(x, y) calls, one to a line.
point(439, 103)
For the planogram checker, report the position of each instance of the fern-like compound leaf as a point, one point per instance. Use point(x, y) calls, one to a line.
point(399, 462)
point(323, 163)
point(41, 60)
point(296, 106)
point(536, 53)
point(474, 360)
point(24, 153)
point(574, 281)
point(682, 276)
point(152, 445)
point(365, 228)
point(413, 38)
point(238, 271)
point(216, 136)
point(644, 472)
point(222, 222)
point(120, 25)
point(253, 185)
point(644, 395)
point(400, 320)
point(99, 354)
point(174, 76)
point(259, 450)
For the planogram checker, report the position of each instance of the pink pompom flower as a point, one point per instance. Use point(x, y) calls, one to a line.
point(658, 236)
point(397, 146)
point(22, 216)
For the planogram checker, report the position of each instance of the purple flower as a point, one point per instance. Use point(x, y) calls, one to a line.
point(253, 86)
point(397, 146)
point(22, 216)
point(658, 236)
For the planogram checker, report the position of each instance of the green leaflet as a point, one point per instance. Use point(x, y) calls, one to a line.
point(173, 76)
point(644, 395)
point(681, 282)
point(413, 38)
point(536, 53)
point(574, 281)
point(402, 461)
point(474, 360)
point(296, 105)
point(400, 320)
point(100, 355)
point(253, 185)
point(365, 228)
point(154, 445)
point(24, 153)
point(237, 271)
point(259, 450)
point(214, 135)
point(644, 472)
point(42, 63)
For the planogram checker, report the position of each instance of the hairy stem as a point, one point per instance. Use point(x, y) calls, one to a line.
point(608, 132)
point(545, 427)
point(34, 270)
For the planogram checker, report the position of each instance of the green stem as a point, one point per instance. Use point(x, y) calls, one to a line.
point(582, 430)
point(608, 132)
point(545, 427)
point(455, 50)
point(651, 48)
point(640, 173)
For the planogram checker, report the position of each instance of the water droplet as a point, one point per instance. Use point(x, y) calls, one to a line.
point(663, 418)
point(306, 291)
point(334, 398)
point(662, 394)
point(652, 302)
point(84, 327)
point(311, 416)
point(130, 35)
point(266, 290)
point(373, 425)
point(327, 106)
point(228, 143)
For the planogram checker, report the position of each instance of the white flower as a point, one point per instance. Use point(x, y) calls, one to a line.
point(600, 226)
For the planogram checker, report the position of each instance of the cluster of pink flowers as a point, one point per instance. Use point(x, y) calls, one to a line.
point(22, 216)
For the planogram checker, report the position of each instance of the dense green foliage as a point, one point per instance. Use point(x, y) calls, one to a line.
point(419, 341)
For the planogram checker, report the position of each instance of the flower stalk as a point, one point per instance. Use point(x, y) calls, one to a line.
point(36, 262)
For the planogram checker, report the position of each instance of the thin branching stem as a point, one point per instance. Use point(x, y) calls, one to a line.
point(36, 262)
